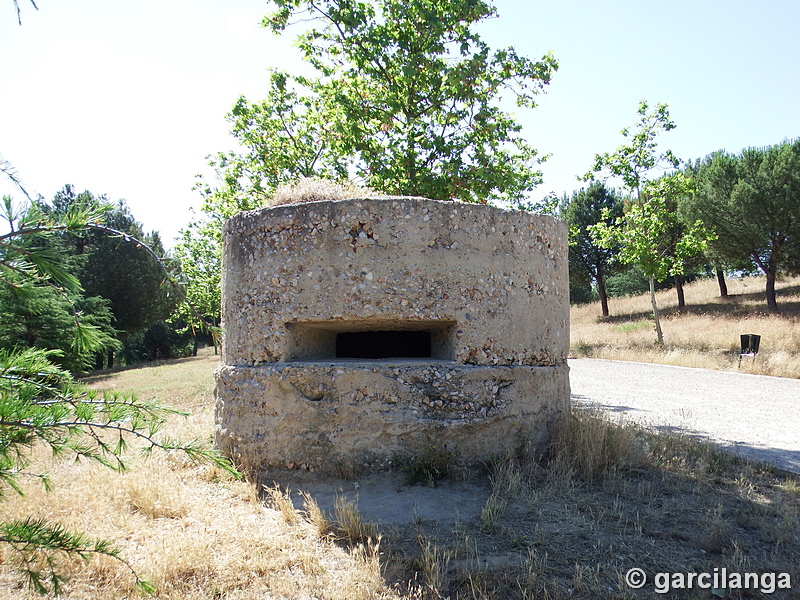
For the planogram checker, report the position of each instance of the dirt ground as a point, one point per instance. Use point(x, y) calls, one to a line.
point(387, 499)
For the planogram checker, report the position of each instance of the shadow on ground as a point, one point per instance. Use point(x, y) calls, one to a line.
point(387, 498)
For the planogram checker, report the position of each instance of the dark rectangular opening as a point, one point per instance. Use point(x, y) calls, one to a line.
point(383, 344)
point(371, 339)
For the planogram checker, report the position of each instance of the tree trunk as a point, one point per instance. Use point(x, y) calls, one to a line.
point(110, 359)
point(194, 346)
point(679, 289)
point(772, 301)
point(601, 290)
point(723, 287)
point(659, 334)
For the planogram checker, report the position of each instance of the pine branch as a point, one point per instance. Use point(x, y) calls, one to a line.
point(39, 544)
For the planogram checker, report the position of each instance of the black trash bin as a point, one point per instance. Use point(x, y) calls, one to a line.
point(750, 343)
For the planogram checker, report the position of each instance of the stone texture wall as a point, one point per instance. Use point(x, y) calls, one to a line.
point(490, 286)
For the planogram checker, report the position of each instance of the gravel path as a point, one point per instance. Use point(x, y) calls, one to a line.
point(756, 416)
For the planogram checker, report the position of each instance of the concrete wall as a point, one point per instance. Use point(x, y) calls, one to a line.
point(489, 286)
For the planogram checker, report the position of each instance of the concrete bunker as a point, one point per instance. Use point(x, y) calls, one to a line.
point(358, 330)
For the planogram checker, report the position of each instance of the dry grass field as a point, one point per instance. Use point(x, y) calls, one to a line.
point(606, 498)
point(705, 334)
point(191, 530)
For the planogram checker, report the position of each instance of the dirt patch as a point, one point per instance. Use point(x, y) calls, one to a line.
point(387, 499)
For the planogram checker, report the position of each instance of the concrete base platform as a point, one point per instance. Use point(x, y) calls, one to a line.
point(349, 418)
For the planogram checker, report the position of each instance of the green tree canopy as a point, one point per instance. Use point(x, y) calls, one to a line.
point(647, 234)
point(109, 266)
point(751, 201)
point(43, 317)
point(411, 93)
point(282, 138)
point(584, 209)
point(405, 98)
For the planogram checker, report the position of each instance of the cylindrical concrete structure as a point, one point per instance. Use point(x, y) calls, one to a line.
point(358, 329)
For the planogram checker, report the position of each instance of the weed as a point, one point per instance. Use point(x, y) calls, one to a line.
point(433, 465)
point(492, 511)
point(349, 524)
point(535, 567)
point(588, 446)
point(585, 577)
point(433, 563)
point(313, 189)
point(634, 326)
point(314, 515)
point(791, 486)
point(282, 502)
point(717, 530)
point(507, 478)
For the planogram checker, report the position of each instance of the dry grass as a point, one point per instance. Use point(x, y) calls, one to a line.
point(611, 496)
point(706, 334)
point(607, 497)
point(191, 530)
point(314, 189)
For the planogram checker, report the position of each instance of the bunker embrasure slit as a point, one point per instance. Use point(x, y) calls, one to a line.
point(371, 339)
point(383, 344)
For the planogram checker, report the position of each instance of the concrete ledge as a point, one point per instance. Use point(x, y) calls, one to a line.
point(321, 416)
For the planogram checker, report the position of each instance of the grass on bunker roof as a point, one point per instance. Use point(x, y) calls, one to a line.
point(608, 497)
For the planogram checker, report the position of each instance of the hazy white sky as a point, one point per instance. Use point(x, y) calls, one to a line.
point(127, 99)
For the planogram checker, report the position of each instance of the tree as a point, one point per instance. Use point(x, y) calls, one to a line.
point(109, 266)
point(716, 253)
point(283, 137)
point(199, 254)
point(751, 201)
point(584, 209)
point(409, 91)
point(43, 317)
point(40, 403)
point(644, 234)
point(130, 279)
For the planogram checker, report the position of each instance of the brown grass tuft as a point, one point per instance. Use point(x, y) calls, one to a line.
point(282, 502)
point(587, 445)
point(315, 189)
point(349, 524)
